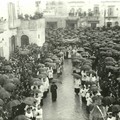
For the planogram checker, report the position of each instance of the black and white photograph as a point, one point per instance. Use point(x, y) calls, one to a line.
point(60, 60)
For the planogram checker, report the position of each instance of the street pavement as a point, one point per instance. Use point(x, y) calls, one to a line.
point(68, 105)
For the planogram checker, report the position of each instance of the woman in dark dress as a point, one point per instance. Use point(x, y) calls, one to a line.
point(53, 90)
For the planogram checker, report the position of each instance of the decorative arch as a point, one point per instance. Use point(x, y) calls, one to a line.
point(24, 40)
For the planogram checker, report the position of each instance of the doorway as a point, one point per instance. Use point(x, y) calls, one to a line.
point(109, 24)
point(24, 40)
point(13, 43)
point(52, 25)
point(71, 24)
point(93, 25)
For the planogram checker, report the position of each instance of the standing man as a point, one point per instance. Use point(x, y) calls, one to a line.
point(53, 90)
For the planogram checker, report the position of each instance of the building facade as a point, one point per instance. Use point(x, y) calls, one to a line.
point(8, 31)
point(111, 12)
point(16, 32)
point(96, 14)
point(31, 31)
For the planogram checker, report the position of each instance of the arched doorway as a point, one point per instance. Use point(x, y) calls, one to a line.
point(109, 24)
point(24, 40)
point(13, 43)
point(116, 23)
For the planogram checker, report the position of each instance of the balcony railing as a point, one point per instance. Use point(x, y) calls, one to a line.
point(111, 17)
point(92, 19)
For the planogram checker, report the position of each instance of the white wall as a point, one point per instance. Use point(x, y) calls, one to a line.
point(104, 6)
point(37, 29)
point(6, 35)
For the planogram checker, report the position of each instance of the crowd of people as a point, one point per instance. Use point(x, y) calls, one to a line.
point(25, 82)
point(25, 79)
point(95, 67)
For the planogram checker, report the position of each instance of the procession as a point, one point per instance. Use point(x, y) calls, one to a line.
point(28, 77)
point(60, 60)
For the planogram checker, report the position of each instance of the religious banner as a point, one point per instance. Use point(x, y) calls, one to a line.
point(93, 19)
point(70, 40)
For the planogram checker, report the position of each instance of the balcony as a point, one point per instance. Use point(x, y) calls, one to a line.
point(111, 17)
point(92, 19)
point(72, 16)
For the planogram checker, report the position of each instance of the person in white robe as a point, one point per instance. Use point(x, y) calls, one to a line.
point(39, 112)
point(77, 84)
point(50, 74)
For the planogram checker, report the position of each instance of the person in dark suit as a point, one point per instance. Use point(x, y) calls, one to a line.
point(53, 90)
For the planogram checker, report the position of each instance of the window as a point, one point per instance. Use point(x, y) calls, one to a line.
point(53, 3)
point(96, 10)
point(80, 9)
point(39, 36)
point(79, 12)
point(110, 11)
point(60, 3)
point(72, 10)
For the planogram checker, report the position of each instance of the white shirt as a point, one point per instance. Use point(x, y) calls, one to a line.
point(119, 114)
point(94, 79)
point(83, 73)
point(87, 95)
point(42, 88)
point(38, 73)
point(83, 92)
point(77, 83)
point(87, 78)
point(34, 112)
point(46, 85)
point(89, 101)
point(29, 115)
point(73, 51)
point(50, 73)
point(47, 80)
point(40, 95)
point(40, 112)
point(78, 55)
point(33, 87)
point(58, 70)
point(38, 100)
point(113, 118)
point(78, 70)
point(83, 76)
